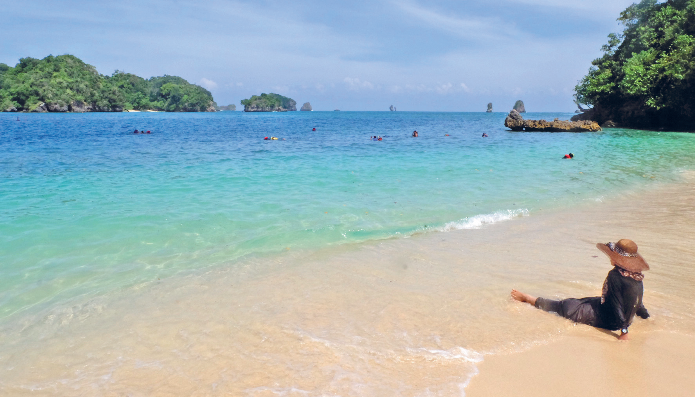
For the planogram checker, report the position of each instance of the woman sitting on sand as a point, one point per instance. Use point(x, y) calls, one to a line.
point(620, 300)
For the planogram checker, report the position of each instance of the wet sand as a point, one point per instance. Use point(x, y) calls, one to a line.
point(426, 315)
point(653, 364)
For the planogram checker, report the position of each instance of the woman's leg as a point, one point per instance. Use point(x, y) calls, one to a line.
point(522, 297)
point(547, 305)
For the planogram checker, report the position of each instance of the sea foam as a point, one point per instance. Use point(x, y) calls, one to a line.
point(478, 221)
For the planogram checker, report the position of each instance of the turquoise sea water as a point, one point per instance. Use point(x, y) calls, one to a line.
point(87, 207)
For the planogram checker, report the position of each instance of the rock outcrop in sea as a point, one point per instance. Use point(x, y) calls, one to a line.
point(306, 107)
point(516, 122)
point(392, 108)
point(269, 103)
point(519, 106)
point(489, 108)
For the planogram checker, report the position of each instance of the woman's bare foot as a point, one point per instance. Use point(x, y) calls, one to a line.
point(522, 297)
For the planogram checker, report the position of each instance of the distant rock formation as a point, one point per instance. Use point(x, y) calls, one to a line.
point(228, 108)
point(519, 106)
point(269, 103)
point(336, 110)
point(516, 122)
point(489, 108)
point(306, 107)
point(392, 108)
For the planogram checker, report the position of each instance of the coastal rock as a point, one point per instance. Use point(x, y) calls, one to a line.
point(79, 107)
point(610, 124)
point(392, 108)
point(212, 107)
point(41, 108)
point(306, 107)
point(515, 122)
point(519, 106)
point(489, 108)
point(588, 114)
point(10, 109)
point(55, 107)
point(513, 115)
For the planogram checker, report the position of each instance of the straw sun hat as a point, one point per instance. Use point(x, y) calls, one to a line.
point(624, 254)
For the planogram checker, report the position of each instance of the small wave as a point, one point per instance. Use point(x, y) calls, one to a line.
point(457, 353)
point(477, 221)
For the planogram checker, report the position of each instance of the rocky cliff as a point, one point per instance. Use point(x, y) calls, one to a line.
point(519, 106)
point(306, 107)
point(392, 108)
point(516, 122)
point(489, 108)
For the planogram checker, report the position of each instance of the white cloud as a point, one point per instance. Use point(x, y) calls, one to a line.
point(209, 84)
point(355, 84)
point(473, 29)
point(597, 9)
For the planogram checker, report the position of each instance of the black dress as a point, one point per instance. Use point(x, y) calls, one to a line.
point(621, 301)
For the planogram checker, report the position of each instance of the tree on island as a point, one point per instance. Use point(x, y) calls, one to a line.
point(645, 77)
point(65, 83)
point(269, 103)
point(229, 108)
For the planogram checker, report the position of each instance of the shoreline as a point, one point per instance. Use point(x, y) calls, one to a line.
point(587, 361)
point(408, 315)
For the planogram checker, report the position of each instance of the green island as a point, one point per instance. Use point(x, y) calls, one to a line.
point(65, 83)
point(269, 103)
point(645, 78)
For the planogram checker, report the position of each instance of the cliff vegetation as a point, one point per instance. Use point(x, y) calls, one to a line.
point(646, 76)
point(65, 83)
point(269, 103)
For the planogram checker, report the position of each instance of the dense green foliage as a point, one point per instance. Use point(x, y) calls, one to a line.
point(65, 83)
point(268, 103)
point(646, 76)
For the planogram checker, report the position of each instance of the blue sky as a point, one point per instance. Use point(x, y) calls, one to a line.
point(357, 55)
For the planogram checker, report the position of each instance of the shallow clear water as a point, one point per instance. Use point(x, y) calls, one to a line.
point(88, 207)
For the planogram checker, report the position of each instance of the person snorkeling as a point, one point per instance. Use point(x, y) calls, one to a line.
point(621, 296)
point(568, 156)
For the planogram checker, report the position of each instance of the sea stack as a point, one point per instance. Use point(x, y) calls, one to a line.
point(519, 106)
point(392, 108)
point(269, 103)
point(306, 107)
point(489, 108)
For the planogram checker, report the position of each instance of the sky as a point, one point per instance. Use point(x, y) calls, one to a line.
point(349, 55)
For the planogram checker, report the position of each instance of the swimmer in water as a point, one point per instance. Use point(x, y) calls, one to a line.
point(136, 132)
point(379, 138)
point(313, 129)
point(568, 156)
point(484, 135)
point(415, 134)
